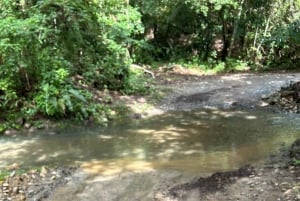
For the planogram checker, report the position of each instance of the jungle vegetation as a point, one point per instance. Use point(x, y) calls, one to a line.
point(55, 53)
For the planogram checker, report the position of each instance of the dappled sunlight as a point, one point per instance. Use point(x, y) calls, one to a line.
point(194, 162)
point(236, 77)
point(146, 131)
point(227, 114)
point(250, 117)
point(10, 151)
point(42, 158)
point(206, 140)
point(189, 161)
point(139, 153)
point(116, 166)
point(170, 133)
point(105, 137)
point(45, 157)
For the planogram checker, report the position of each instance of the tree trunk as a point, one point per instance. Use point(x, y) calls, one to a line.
point(236, 26)
point(224, 37)
point(208, 33)
point(265, 34)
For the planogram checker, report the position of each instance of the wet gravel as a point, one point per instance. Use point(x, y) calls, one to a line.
point(231, 91)
point(34, 185)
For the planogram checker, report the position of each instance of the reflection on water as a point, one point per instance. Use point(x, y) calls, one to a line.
point(197, 142)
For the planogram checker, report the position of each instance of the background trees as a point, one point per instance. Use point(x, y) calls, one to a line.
point(52, 53)
point(253, 30)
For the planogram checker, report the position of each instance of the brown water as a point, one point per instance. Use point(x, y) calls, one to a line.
point(191, 142)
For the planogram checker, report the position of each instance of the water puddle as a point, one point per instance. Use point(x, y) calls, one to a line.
point(192, 142)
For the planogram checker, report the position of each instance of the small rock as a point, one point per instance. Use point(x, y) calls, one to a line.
point(44, 171)
point(142, 100)
point(12, 174)
point(30, 191)
point(27, 125)
point(10, 132)
point(15, 190)
point(5, 184)
point(31, 130)
point(22, 197)
point(287, 192)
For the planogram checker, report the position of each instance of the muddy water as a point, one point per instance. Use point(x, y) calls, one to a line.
point(193, 142)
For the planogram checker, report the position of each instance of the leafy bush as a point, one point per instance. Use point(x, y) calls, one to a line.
point(45, 45)
point(283, 45)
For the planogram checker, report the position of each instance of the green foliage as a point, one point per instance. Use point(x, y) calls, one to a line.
point(46, 45)
point(3, 175)
point(3, 127)
point(137, 82)
point(234, 65)
point(212, 66)
point(284, 43)
point(6, 173)
point(296, 162)
point(261, 31)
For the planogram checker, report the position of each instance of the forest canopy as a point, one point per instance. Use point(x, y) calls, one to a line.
point(54, 52)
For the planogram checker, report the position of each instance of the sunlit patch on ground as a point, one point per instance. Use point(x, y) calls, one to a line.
point(238, 77)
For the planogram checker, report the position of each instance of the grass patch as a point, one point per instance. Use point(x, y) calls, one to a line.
point(5, 173)
point(212, 66)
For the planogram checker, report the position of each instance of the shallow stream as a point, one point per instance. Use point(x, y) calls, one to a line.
point(202, 141)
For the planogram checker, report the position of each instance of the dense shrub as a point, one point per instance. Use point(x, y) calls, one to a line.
point(46, 45)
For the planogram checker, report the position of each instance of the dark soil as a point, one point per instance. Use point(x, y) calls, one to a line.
point(217, 182)
point(278, 179)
